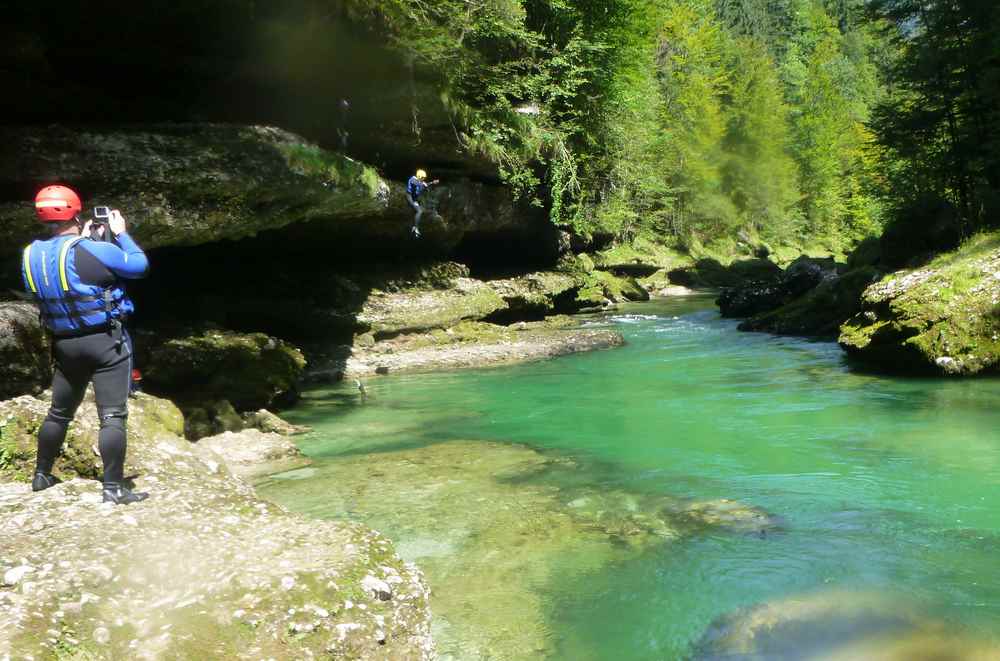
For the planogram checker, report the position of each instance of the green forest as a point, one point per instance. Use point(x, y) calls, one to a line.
point(813, 122)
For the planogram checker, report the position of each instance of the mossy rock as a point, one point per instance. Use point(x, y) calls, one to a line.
point(640, 258)
point(867, 253)
point(24, 351)
point(21, 418)
point(211, 418)
point(709, 273)
point(535, 295)
point(819, 312)
point(232, 576)
point(251, 370)
point(600, 288)
point(944, 318)
point(387, 314)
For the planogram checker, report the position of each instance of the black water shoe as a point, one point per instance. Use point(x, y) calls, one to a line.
point(122, 495)
point(43, 481)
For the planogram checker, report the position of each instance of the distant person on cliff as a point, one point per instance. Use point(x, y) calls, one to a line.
point(77, 282)
point(415, 187)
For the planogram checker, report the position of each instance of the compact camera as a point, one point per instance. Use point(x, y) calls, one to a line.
point(102, 217)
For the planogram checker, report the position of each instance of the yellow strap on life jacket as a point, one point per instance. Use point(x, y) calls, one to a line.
point(63, 255)
point(27, 269)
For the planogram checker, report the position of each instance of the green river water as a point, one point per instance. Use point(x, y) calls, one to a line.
point(580, 508)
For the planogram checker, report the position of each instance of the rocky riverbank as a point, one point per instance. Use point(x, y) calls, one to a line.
point(204, 568)
point(941, 317)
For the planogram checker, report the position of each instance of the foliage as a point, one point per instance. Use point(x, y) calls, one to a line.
point(938, 131)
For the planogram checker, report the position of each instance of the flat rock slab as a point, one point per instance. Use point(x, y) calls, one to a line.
point(492, 346)
point(251, 452)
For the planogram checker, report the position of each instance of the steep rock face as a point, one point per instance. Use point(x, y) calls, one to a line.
point(24, 350)
point(184, 184)
point(943, 318)
point(203, 569)
point(191, 184)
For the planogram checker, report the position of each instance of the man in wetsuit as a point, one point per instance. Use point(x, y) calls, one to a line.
point(415, 187)
point(78, 286)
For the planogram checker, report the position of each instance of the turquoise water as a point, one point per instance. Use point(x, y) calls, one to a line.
point(877, 485)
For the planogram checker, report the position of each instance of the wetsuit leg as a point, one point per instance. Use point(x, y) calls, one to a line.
point(68, 388)
point(112, 380)
point(417, 209)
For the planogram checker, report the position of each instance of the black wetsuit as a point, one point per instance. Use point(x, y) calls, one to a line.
point(101, 357)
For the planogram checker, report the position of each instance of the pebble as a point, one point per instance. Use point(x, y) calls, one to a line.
point(288, 582)
point(102, 636)
point(13, 576)
point(378, 588)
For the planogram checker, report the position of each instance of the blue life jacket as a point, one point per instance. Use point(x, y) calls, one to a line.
point(68, 306)
point(415, 188)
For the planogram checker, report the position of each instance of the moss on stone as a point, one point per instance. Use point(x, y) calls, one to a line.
point(251, 370)
point(387, 314)
point(944, 317)
point(601, 287)
point(821, 311)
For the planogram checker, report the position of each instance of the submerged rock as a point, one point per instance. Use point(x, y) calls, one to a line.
point(203, 569)
point(838, 625)
point(942, 318)
point(491, 524)
point(24, 351)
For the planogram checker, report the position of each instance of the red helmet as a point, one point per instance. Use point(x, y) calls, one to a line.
point(55, 204)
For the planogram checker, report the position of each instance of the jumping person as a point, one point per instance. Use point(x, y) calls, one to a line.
point(78, 286)
point(415, 187)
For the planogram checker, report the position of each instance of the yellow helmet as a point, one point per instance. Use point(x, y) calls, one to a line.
point(421, 174)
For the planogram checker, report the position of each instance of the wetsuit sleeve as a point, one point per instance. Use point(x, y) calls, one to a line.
point(127, 261)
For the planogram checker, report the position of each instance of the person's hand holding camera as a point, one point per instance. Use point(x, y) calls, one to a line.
point(116, 222)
